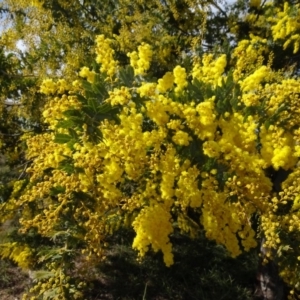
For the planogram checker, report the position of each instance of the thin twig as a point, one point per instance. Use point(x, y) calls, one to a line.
point(216, 5)
point(13, 104)
point(145, 291)
point(8, 134)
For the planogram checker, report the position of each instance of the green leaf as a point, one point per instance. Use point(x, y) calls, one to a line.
point(42, 274)
point(73, 133)
point(72, 113)
point(88, 111)
point(62, 138)
point(65, 124)
point(268, 124)
point(87, 86)
point(85, 197)
point(249, 111)
point(80, 98)
point(51, 294)
point(127, 76)
point(67, 166)
point(54, 191)
point(105, 108)
point(93, 104)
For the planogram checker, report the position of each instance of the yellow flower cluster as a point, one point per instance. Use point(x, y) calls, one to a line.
point(153, 227)
point(252, 98)
point(53, 110)
point(188, 193)
point(218, 230)
point(211, 149)
point(180, 78)
point(158, 109)
point(199, 119)
point(140, 61)
point(224, 220)
point(37, 3)
point(286, 89)
point(19, 253)
point(147, 89)
point(54, 281)
point(170, 169)
point(49, 87)
point(105, 56)
point(86, 73)
point(210, 70)
point(17, 187)
point(249, 55)
point(45, 153)
point(286, 26)
point(277, 148)
point(119, 96)
point(236, 148)
point(253, 81)
point(181, 138)
point(165, 83)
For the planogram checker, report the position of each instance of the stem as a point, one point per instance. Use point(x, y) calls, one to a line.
point(145, 291)
point(216, 5)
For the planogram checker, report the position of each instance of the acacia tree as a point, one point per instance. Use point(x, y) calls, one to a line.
point(208, 141)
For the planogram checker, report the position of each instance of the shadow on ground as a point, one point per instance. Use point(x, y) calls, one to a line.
point(202, 270)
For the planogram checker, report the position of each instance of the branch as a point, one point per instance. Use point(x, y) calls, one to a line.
point(24, 169)
point(13, 104)
point(216, 5)
point(15, 76)
point(9, 134)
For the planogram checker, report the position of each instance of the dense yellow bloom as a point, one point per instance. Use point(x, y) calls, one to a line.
point(20, 254)
point(206, 112)
point(105, 56)
point(140, 61)
point(86, 73)
point(147, 89)
point(153, 227)
point(48, 87)
point(119, 96)
point(211, 149)
point(251, 99)
point(165, 83)
point(181, 138)
point(188, 193)
point(210, 70)
point(249, 55)
point(54, 109)
point(167, 153)
point(287, 26)
point(252, 82)
point(180, 78)
point(277, 148)
point(175, 124)
point(157, 110)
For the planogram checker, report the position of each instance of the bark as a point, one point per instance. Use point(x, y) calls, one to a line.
point(270, 285)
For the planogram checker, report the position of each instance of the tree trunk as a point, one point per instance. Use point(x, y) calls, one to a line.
point(270, 285)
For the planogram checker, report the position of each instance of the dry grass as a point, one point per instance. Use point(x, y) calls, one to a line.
point(13, 281)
